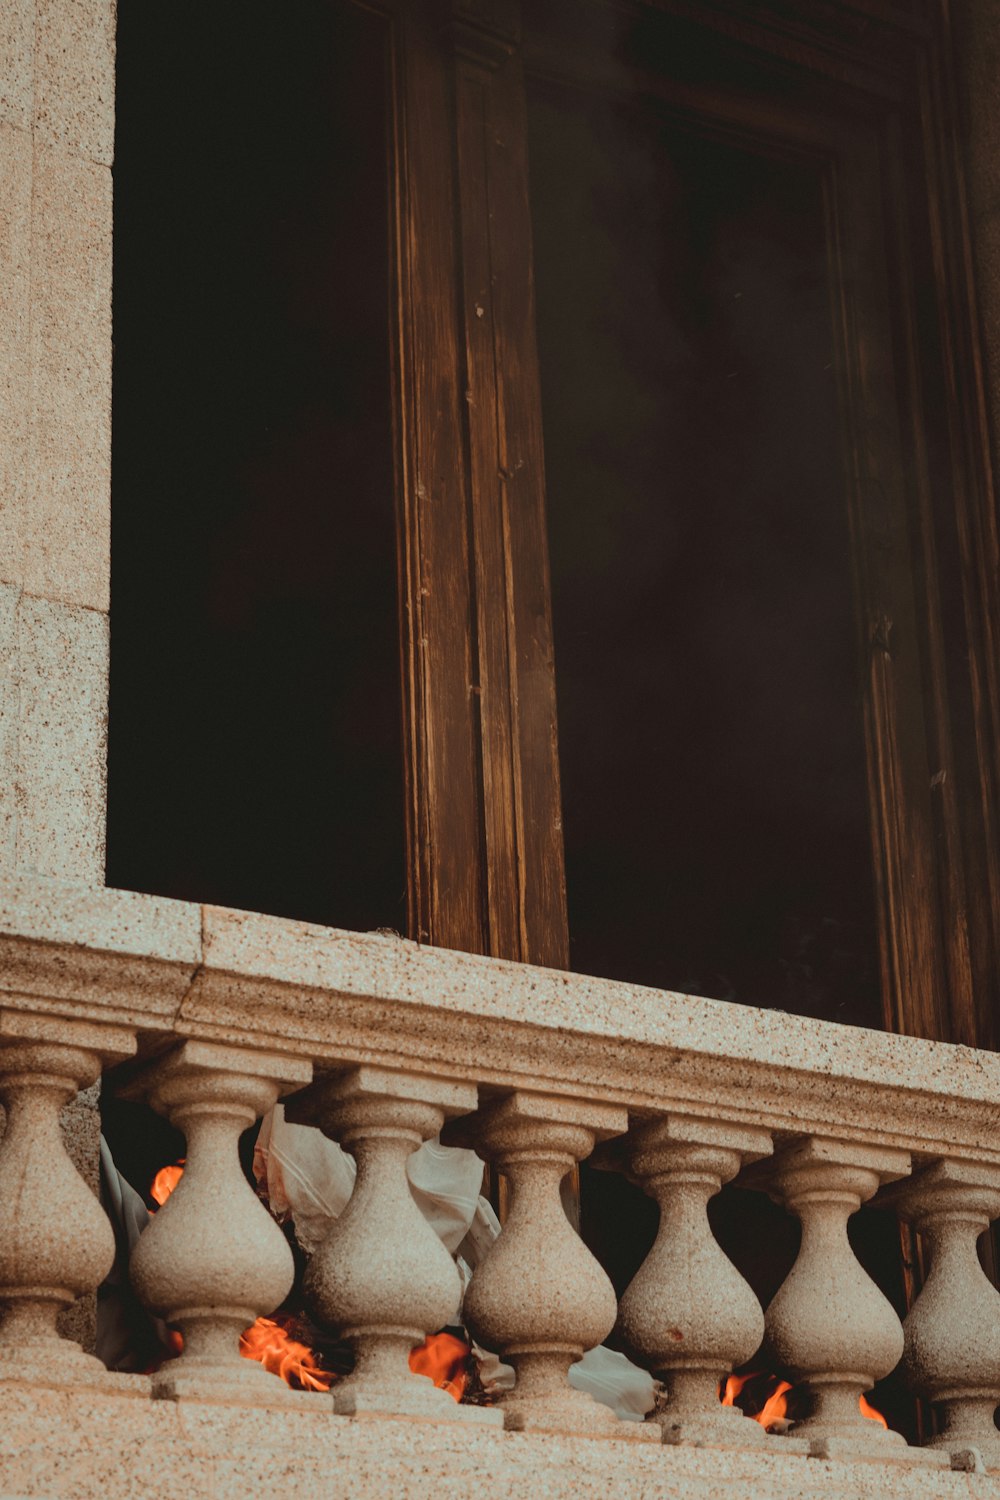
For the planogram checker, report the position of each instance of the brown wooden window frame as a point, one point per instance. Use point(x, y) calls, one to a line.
point(869, 100)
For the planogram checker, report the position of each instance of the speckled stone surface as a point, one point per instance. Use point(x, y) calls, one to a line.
point(56, 139)
point(62, 733)
point(53, 729)
point(15, 299)
point(167, 967)
point(56, 147)
point(17, 45)
point(80, 1122)
point(65, 524)
point(88, 1446)
point(102, 920)
point(9, 705)
point(56, 143)
point(74, 76)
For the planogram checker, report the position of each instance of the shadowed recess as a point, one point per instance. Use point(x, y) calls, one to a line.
point(255, 751)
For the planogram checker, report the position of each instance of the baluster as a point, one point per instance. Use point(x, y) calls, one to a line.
point(213, 1259)
point(952, 1332)
point(382, 1279)
point(538, 1298)
point(55, 1240)
point(688, 1314)
point(829, 1323)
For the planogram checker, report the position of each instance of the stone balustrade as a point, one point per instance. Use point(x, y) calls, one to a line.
point(213, 1259)
point(688, 1315)
point(384, 1045)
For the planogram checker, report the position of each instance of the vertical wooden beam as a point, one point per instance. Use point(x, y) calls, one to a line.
point(526, 904)
point(958, 116)
point(899, 772)
point(444, 836)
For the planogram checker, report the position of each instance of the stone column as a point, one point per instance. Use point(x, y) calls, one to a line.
point(56, 1244)
point(382, 1279)
point(538, 1298)
point(952, 1331)
point(56, 149)
point(688, 1315)
point(213, 1259)
point(829, 1323)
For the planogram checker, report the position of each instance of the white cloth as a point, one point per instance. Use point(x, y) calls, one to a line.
point(309, 1178)
point(616, 1382)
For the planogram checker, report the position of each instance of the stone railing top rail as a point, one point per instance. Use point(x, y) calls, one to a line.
point(169, 968)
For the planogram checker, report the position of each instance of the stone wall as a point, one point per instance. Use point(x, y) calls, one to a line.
point(56, 145)
point(56, 148)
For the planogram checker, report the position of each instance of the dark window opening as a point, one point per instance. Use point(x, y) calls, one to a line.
point(711, 743)
point(255, 739)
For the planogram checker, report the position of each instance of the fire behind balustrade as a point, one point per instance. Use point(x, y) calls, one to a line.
point(448, 1360)
point(443, 1357)
point(770, 1400)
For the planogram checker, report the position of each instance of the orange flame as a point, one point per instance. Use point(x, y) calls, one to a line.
point(443, 1357)
point(734, 1386)
point(165, 1181)
point(867, 1410)
point(775, 1408)
point(269, 1343)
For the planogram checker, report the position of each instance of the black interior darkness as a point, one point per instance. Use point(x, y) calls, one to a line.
point(255, 742)
point(713, 777)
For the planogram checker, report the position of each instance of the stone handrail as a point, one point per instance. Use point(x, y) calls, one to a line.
point(227, 1011)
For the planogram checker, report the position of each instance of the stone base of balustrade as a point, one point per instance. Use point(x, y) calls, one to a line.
point(986, 1453)
point(857, 1450)
point(959, 1439)
point(576, 1414)
point(726, 1428)
point(85, 1444)
point(410, 1403)
point(61, 1365)
point(243, 1384)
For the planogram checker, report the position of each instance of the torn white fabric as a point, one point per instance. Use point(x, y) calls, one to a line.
point(309, 1178)
point(616, 1382)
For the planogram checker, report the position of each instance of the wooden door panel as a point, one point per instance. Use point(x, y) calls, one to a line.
point(920, 887)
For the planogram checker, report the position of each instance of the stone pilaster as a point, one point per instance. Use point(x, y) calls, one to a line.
point(56, 148)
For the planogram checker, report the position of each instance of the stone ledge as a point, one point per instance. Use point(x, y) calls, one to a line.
point(170, 968)
point(84, 1446)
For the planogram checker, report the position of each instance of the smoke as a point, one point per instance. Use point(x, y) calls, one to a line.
point(713, 767)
